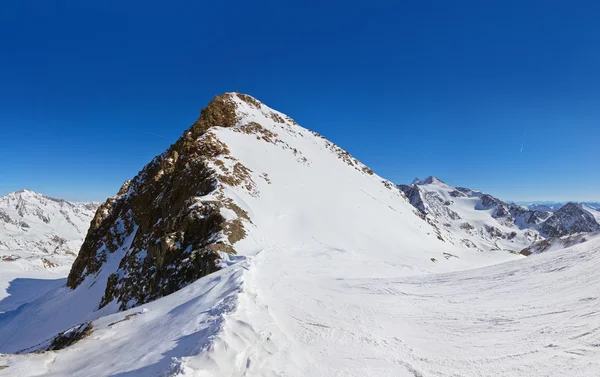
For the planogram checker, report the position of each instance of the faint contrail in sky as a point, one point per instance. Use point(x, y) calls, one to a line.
point(523, 142)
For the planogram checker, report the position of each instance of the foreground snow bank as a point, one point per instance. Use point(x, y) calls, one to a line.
point(326, 312)
point(214, 327)
point(146, 340)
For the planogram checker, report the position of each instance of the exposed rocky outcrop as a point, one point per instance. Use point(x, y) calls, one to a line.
point(556, 243)
point(500, 209)
point(414, 196)
point(164, 227)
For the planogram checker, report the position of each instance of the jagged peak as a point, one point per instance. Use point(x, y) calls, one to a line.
point(24, 192)
point(570, 206)
point(231, 109)
point(428, 181)
point(24, 195)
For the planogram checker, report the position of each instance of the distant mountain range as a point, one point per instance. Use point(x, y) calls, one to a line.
point(553, 206)
point(36, 223)
point(479, 220)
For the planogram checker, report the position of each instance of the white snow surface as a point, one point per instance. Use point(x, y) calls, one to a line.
point(337, 277)
point(594, 212)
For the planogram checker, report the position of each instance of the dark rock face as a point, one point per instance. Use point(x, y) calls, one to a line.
point(468, 192)
point(61, 340)
point(414, 196)
point(570, 218)
point(530, 218)
point(166, 236)
point(500, 209)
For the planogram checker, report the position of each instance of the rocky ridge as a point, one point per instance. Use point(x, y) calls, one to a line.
point(166, 224)
point(570, 218)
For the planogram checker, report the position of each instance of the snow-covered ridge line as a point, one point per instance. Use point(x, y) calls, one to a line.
point(471, 216)
point(474, 219)
point(40, 224)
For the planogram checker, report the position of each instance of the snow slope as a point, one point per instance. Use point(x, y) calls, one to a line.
point(594, 212)
point(26, 276)
point(336, 276)
point(325, 312)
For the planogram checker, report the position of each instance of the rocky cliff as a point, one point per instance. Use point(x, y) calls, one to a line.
point(166, 224)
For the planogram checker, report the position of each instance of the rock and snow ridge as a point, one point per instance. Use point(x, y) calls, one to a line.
point(471, 218)
point(314, 266)
point(558, 243)
point(571, 218)
point(480, 220)
point(554, 206)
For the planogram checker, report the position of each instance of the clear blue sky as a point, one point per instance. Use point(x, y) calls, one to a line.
point(91, 91)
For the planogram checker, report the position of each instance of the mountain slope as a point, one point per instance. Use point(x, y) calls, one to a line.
point(557, 243)
point(479, 220)
point(243, 179)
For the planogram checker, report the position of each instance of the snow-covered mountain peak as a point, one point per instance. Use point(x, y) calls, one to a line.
point(431, 180)
point(37, 223)
point(498, 221)
point(571, 218)
point(216, 191)
point(471, 218)
point(243, 180)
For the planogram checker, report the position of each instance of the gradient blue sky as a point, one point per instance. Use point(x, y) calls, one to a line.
point(91, 91)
